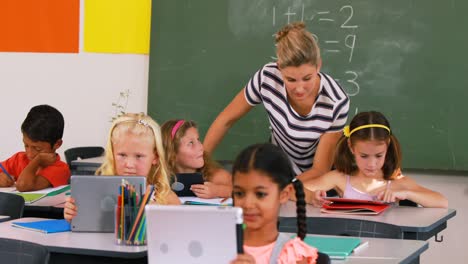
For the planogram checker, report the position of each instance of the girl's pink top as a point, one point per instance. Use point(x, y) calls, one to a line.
point(294, 250)
point(352, 193)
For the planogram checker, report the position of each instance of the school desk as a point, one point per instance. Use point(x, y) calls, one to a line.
point(397, 222)
point(4, 218)
point(101, 248)
point(47, 207)
point(381, 250)
point(71, 247)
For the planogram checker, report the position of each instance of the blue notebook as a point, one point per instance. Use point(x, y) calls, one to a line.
point(335, 247)
point(45, 226)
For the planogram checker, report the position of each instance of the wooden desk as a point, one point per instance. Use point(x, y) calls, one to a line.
point(397, 222)
point(101, 247)
point(74, 247)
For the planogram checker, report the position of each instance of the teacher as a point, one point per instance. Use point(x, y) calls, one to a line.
point(307, 108)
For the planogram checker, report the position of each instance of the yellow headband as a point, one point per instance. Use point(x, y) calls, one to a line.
point(347, 133)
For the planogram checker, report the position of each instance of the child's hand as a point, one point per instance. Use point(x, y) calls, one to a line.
point(317, 198)
point(5, 181)
point(391, 196)
point(46, 159)
point(243, 258)
point(206, 190)
point(69, 210)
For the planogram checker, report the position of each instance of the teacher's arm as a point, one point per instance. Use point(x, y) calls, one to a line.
point(228, 117)
point(323, 159)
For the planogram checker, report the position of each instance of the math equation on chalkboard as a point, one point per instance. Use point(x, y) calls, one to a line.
point(338, 40)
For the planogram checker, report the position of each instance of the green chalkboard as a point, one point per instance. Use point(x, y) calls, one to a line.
point(404, 58)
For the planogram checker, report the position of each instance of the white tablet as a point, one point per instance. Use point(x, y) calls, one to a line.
point(193, 234)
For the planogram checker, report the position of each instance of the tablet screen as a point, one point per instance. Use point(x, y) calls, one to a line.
point(183, 181)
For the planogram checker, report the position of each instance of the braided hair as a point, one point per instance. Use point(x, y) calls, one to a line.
point(272, 161)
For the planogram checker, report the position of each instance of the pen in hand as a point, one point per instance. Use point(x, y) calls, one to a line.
point(6, 172)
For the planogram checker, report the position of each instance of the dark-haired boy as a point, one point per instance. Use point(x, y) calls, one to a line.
point(39, 166)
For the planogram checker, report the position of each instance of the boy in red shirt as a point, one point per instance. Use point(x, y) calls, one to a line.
point(39, 166)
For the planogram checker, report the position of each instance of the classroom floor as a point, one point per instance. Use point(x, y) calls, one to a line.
point(454, 186)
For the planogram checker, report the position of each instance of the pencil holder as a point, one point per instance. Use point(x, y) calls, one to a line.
point(130, 225)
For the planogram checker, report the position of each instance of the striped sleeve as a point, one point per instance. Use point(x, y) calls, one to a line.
point(340, 115)
point(252, 89)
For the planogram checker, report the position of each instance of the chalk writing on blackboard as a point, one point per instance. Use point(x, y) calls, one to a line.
point(340, 21)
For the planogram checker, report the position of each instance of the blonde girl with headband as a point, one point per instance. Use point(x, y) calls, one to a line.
point(134, 147)
point(185, 154)
point(368, 162)
point(306, 107)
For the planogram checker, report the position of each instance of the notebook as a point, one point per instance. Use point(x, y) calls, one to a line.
point(183, 181)
point(193, 200)
point(96, 197)
point(353, 206)
point(45, 226)
point(335, 247)
point(32, 197)
point(193, 234)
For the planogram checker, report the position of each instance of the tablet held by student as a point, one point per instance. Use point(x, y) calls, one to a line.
point(134, 148)
point(186, 156)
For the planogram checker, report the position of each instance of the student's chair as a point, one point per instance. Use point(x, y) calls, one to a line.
point(11, 205)
point(323, 258)
point(82, 153)
point(23, 252)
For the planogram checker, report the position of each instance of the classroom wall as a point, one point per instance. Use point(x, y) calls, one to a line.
point(82, 86)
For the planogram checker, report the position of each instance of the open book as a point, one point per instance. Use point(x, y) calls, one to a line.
point(353, 206)
point(31, 197)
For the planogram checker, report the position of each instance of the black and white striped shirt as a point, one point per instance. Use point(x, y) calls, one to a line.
point(298, 135)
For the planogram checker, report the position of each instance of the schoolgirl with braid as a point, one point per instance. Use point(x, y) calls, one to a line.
point(262, 181)
point(367, 162)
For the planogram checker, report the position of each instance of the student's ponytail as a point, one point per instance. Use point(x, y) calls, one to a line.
point(392, 158)
point(300, 208)
point(344, 159)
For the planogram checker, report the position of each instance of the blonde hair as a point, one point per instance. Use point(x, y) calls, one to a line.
point(296, 46)
point(146, 129)
point(172, 143)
